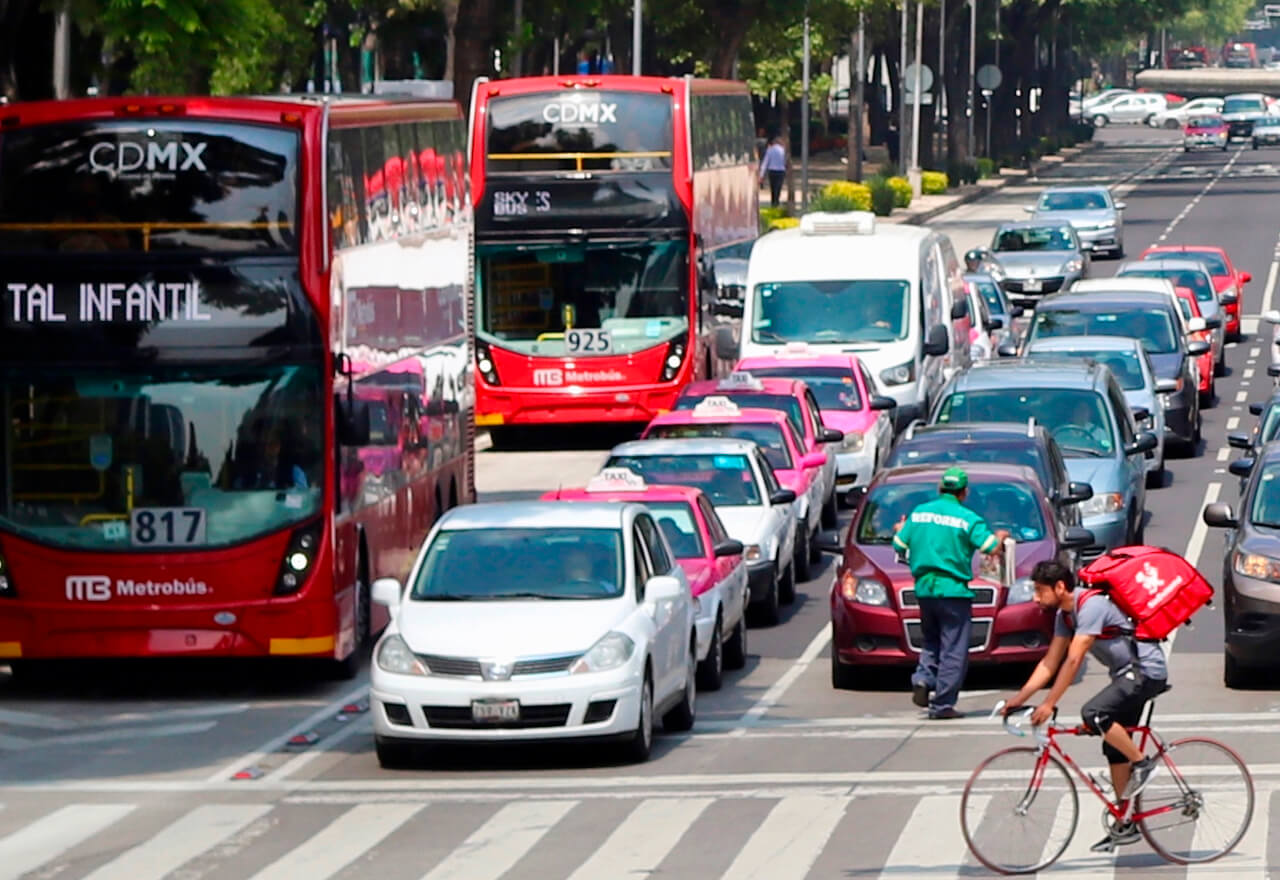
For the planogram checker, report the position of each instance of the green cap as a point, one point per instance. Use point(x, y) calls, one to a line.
point(954, 478)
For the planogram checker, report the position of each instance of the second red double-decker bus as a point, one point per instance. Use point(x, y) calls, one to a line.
point(234, 369)
point(603, 205)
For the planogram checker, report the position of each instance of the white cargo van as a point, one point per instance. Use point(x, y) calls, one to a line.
point(892, 294)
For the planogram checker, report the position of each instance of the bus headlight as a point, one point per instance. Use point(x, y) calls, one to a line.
point(674, 360)
point(484, 363)
point(299, 557)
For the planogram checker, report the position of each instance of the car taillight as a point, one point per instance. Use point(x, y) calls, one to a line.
point(299, 558)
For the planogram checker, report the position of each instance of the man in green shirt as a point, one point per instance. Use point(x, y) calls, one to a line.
point(939, 539)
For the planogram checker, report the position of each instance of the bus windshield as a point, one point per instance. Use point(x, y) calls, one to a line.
point(152, 185)
point(95, 458)
point(533, 296)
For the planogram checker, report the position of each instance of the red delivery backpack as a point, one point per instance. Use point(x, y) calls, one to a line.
point(1155, 587)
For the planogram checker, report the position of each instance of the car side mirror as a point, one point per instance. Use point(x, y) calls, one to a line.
point(937, 343)
point(1255, 409)
point(831, 435)
point(994, 324)
point(1241, 467)
point(1140, 413)
point(1120, 206)
point(1219, 515)
point(1271, 316)
point(831, 542)
point(1197, 347)
point(663, 586)
point(386, 592)
point(1239, 441)
point(1246, 277)
point(1228, 298)
point(1007, 349)
point(782, 496)
point(1196, 325)
point(1273, 370)
point(959, 309)
point(728, 547)
point(1212, 323)
point(1077, 492)
point(726, 345)
point(881, 402)
point(814, 459)
point(1166, 386)
point(1144, 442)
point(1077, 538)
point(1028, 209)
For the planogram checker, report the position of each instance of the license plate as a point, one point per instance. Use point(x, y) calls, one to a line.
point(1031, 284)
point(495, 710)
point(167, 526)
point(588, 341)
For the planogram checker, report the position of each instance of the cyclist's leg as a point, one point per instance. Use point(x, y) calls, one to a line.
point(956, 619)
point(1107, 714)
point(927, 668)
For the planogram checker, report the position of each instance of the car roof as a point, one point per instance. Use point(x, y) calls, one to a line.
point(978, 471)
point(653, 492)
point(981, 276)
point(797, 359)
point(975, 431)
point(787, 254)
point(771, 385)
point(1074, 188)
point(1032, 224)
point(1186, 248)
point(685, 446)
point(1165, 263)
point(1103, 299)
point(1095, 343)
point(1055, 374)
point(1128, 284)
point(749, 415)
point(537, 515)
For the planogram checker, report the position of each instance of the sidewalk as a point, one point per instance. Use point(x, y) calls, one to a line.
point(828, 168)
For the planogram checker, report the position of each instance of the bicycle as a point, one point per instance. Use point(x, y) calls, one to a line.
point(1176, 813)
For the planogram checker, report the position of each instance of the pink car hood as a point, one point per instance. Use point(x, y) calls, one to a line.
point(701, 575)
point(850, 420)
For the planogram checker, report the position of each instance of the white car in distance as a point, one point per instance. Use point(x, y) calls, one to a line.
point(535, 621)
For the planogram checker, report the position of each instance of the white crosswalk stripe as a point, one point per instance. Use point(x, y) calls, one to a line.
point(501, 840)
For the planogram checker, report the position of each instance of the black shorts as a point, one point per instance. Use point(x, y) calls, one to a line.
point(1121, 701)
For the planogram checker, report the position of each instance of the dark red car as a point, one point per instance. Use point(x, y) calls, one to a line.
point(1228, 281)
point(874, 613)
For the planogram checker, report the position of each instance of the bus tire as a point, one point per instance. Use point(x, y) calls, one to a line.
point(349, 667)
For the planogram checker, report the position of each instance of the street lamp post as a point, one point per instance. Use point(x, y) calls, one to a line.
point(902, 88)
point(637, 15)
point(973, 71)
point(919, 78)
point(804, 118)
point(942, 90)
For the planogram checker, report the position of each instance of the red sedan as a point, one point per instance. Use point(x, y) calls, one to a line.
point(1228, 281)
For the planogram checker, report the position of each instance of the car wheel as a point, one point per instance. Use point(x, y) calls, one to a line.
point(830, 515)
point(392, 755)
point(844, 677)
point(1171, 123)
point(735, 650)
point(711, 669)
point(349, 667)
point(1155, 479)
point(1100, 121)
point(815, 552)
point(1233, 674)
point(1140, 528)
point(800, 564)
point(681, 717)
point(765, 611)
point(787, 586)
point(640, 743)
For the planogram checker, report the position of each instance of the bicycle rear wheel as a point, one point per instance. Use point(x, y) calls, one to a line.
point(1017, 814)
point(1204, 796)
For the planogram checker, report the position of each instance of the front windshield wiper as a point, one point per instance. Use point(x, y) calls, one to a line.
point(447, 597)
point(1084, 450)
point(527, 594)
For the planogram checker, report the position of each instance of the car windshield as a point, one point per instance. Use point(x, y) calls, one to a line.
point(832, 311)
point(937, 450)
point(1034, 238)
point(160, 457)
point(675, 518)
point(1072, 201)
point(834, 387)
point(521, 563)
point(1076, 418)
point(1269, 425)
point(1243, 105)
point(1010, 506)
point(1206, 122)
point(725, 479)
point(765, 435)
point(1154, 327)
point(1124, 365)
point(991, 294)
point(584, 299)
point(1265, 510)
point(1194, 280)
point(784, 403)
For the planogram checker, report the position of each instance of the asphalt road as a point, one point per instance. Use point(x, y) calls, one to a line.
point(131, 771)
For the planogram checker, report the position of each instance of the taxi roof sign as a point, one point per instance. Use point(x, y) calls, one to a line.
point(796, 347)
point(616, 479)
point(740, 380)
point(716, 405)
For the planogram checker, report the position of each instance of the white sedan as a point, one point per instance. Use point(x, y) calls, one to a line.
point(536, 620)
point(1176, 117)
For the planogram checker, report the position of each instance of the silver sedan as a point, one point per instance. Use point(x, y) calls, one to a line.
point(1096, 217)
point(1038, 259)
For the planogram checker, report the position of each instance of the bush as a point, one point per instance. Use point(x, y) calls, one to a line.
point(842, 195)
point(1083, 131)
point(883, 198)
point(933, 183)
point(768, 215)
point(1047, 145)
point(902, 191)
point(986, 167)
point(783, 223)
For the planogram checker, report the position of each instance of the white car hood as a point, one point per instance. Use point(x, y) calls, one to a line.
point(508, 629)
point(744, 523)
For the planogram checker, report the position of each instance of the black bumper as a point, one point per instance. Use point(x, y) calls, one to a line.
point(1253, 631)
point(759, 579)
point(1178, 425)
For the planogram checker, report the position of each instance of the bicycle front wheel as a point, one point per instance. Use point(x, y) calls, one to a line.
point(1019, 811)
point(1198, 805)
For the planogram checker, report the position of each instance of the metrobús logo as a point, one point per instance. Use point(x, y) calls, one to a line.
point(553, 376)
point(100, 588)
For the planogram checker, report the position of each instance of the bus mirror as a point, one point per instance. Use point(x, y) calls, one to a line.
point(726, 345)
point(353, 422)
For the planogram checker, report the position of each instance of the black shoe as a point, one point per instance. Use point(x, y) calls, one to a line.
point(1119, 836)
point(1140, 774)
point(920, 694)
point(946, 714)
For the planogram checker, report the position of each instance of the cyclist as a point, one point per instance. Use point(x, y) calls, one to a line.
point(1093, 624)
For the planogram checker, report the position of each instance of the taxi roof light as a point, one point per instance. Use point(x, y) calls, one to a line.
point(740, 380)
point(614, 479)
point(842, 223)
point(716, 405)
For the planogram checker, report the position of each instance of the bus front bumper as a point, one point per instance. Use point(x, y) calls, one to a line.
point(570, 406)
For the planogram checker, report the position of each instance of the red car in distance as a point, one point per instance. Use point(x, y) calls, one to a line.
point(1204, 363)
point(1228, 281)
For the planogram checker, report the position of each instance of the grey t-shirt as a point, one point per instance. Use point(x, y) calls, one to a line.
point(1099, 616)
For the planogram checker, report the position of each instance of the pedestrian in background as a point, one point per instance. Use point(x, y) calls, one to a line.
point(939, 539)
point(774, 164)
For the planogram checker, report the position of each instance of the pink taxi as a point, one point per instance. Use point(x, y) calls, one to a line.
point(712, 561)
point(849, 403)
point(773, 432)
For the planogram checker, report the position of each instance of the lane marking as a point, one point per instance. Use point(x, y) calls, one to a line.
point(50, 836)
point(1233, 423)
point(195, 833)
point(499, 844)
point(1248, 372)
point(779, 688)
point(1242, 396)
point(931, 838)
point(1195, 544)
point(364, 724)
point(1254, 352)
point(1270, 288)
point(340, 843)
point(639, 844)
point(1224, 453)
point(789, 841)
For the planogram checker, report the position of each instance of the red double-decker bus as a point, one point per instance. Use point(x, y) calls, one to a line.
point(605, 206)
point(234, 369)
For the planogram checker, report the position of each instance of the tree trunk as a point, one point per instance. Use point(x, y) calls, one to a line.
point(730, 21)
point(16, 28)
point(450, 8)
point(474, 44)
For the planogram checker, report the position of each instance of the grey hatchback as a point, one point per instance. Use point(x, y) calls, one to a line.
point(1086, 412)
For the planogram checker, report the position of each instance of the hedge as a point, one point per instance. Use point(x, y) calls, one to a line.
point(842, 195)
point(783, 223)
point(883, 196)
point(986, 167)
point(902, 191)
point(768, 215)
point(933, 183)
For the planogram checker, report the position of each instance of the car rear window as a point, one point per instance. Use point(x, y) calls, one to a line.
point(1154, 327)
point(725, 479)
point(785, 403)
point(833, 387)
point(675, 518)
point(938, 450)
point(1076, 418)
point(767, 436)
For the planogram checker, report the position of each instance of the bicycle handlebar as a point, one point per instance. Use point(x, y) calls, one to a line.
point(1019, 718)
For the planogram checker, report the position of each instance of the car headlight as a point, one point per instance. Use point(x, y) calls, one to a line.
point(852, 442)
point(1022, 591)
point(1255, 566)
point(394, 656)
point(899, 375)
point(863, 591)
point(1072, 266)
point(1104, 502)
point(751, 552)
point(612, 651)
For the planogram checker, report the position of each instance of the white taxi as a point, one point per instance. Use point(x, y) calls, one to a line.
point(536, 620)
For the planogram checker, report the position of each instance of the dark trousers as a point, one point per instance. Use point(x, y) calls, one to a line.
point(776, 179)
point(944, 658)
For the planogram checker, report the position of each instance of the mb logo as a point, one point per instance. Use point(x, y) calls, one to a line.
point(550, 376)
point(88, 588)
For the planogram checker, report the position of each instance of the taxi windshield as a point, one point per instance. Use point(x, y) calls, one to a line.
point(768, 436)
point(1153, 327)
point(522, 563)
point(1010, 506)
point(724, 479)
point(675, 518)
point(1076, 418)
point(833, 387)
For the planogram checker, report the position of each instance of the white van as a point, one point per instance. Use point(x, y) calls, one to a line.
point(892, 294)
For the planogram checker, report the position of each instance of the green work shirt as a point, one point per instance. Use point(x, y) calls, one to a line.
point(939, 538)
